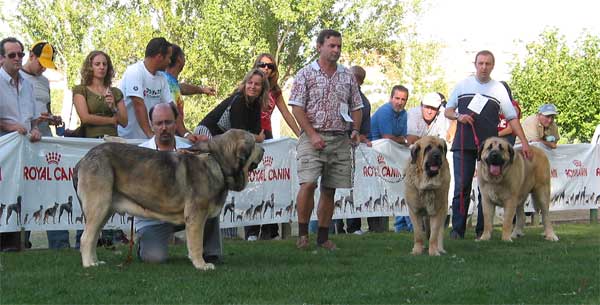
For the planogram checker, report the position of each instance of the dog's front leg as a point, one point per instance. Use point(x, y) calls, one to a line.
point(195, 220)
point(488, 218)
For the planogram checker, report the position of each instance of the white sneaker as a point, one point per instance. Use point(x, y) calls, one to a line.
point(359, 232)
point(252, 238)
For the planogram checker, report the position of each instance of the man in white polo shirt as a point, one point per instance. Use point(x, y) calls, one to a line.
point(426, 120)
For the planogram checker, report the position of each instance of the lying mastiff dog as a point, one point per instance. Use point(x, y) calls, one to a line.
point(506, 179)
point(185, 187)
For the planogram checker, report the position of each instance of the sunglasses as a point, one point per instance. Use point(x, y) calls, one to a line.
point(13, 55)
point(266, 65)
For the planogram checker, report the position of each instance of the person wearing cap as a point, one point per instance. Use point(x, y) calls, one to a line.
point(424, 120)
point(541, 127)
point(17, 113)
point(476, 103)
point(41, 57)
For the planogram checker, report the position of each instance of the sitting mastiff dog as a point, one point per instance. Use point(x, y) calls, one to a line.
point(506, 179)
point(427, 182)
point(187, 186)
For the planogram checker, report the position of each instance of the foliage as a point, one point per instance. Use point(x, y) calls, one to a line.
point(553, 73)
point(374, 268)
point(222, 37)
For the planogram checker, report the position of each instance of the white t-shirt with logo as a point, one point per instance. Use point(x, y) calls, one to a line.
point(154, 89)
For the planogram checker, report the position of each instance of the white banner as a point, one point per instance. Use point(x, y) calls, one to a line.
point(36, 190)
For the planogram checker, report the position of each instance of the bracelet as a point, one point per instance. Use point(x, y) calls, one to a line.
point(186, 134)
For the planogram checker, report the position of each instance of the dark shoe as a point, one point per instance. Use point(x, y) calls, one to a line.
point(478, 234)
point(213, 259)
point(302, 242)
point(327, 245)
point(454, 235)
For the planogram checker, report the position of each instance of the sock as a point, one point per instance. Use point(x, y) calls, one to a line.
point(322, 235)
point(302, 229)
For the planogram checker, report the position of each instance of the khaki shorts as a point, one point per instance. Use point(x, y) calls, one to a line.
point(333, 164)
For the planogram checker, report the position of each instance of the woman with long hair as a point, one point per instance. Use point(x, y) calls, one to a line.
point(242, 109)
point(99, 106)
point(266, 63)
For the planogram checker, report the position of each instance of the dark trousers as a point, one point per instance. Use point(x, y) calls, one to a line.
point(353, 224)
point(463, 179)
point(267, 231)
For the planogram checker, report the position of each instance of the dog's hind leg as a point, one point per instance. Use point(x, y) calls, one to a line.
point(541, 202)
point(96, 206)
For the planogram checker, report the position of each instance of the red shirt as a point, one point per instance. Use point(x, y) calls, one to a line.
point(503, 123)
point(265, 116)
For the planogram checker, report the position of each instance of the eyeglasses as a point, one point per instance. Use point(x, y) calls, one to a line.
point(13, 55)
point(266, 65)
point(166, 123)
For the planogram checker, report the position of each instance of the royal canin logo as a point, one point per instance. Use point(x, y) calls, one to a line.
point(380, 159)
point(53, 158)
point(577, 163)
point(267, 161)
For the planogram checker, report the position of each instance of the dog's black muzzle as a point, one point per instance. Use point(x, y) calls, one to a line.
point(433, 164)
point(495, 158)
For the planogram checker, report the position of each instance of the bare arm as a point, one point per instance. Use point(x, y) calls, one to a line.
point(91, 119)
point(121, 113)
point(411, 139)
point(189, 89)
point(287, 116)
point(397, 139)
point(141, 114)
point(315, 139)
point(506, 131)
point(518, 130)
point(357, 118)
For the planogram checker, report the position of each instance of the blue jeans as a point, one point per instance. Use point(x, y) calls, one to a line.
point(403, 223)
point(58, 239)
point(464, 178)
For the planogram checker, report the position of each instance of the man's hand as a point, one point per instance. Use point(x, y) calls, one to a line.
point(317, 142)
point(526, 151)
point(465, 119)
point(208, 90)
point(355, 137)
point(35, 135)
point(195, 138)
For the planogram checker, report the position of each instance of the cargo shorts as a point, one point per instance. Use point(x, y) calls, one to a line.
point(333, 164)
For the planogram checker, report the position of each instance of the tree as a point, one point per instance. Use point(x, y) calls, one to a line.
point(220, 37)
point(552, 73)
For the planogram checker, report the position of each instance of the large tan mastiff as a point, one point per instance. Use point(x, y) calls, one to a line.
point(505, 179)
point(427, 182)
point(176, 187)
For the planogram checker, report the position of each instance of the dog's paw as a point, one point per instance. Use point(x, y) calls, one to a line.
point(442, 251)
point(552, 237)
point(205, 266)
point(417, 251)
point(517, 234)
point(507, 239)
point(484, 237)
point(434, 253)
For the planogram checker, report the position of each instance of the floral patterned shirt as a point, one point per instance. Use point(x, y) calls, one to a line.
point(321, 96)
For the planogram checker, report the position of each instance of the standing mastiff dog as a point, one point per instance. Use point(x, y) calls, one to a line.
point(427, 183)
point(505, 179)
point(177, 187)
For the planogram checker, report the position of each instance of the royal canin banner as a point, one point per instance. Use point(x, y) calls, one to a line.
point(36, 190)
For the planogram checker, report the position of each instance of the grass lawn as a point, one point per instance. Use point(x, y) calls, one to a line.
point(367, 269)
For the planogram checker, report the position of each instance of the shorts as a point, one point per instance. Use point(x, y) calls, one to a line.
point(333, 164)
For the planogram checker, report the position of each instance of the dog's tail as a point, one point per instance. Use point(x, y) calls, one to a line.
point(75, 179)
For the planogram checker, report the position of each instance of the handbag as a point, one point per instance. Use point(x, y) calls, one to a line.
point(225, 121)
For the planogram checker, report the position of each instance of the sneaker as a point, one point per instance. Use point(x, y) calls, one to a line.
point(252, 238)
point(302, 242)
point(358, 232)
point(327, 245)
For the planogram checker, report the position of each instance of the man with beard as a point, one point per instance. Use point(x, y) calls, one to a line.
point(154, 235)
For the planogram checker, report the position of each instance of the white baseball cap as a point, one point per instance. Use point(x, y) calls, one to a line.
point(432, 99)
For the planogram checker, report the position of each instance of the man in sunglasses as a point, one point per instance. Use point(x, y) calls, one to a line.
point(17, 113)
point(17, 104)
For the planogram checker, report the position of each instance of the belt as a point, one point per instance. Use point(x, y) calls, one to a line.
point(333, 133)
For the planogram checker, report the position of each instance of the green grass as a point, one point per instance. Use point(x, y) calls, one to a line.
point(367, 269)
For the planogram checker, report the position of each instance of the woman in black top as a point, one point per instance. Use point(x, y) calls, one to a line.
point(244, 107)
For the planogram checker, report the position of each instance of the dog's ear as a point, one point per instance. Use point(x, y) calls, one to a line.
point(198, 148)
point(480, 150)
point(444, 147)
point(414, 151)
point(511, 153)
